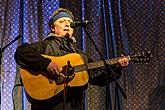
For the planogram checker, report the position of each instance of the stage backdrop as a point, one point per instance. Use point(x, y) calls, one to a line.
point(120, 27)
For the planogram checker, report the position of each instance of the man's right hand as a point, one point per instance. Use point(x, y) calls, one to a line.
point(53, 70)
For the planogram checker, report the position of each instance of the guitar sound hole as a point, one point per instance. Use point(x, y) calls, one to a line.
point(67, 75)
point(61, 80)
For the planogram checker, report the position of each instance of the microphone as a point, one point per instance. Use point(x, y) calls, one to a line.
point(80, 23)
point(18, 37)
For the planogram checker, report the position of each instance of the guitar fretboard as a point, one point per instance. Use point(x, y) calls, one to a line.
point(96, 64)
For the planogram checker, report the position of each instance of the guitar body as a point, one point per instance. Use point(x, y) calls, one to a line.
point(39, 87)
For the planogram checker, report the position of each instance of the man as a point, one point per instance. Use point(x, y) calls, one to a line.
point(58, 43)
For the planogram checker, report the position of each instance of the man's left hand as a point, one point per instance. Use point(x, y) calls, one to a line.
point(123, 61)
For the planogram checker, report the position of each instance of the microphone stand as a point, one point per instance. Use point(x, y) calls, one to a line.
point(108, 69)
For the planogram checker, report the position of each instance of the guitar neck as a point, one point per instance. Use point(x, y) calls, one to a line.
point(96, 64)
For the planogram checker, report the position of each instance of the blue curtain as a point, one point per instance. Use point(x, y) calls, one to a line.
point(120, 27)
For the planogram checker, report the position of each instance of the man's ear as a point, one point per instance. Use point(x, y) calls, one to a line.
point(52, 28)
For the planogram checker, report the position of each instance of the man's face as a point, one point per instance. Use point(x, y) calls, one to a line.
point(62, 26)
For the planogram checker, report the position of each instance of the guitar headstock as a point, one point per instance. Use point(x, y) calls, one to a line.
point(141, 57)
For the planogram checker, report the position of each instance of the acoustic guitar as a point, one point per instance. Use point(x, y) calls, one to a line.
point(38, 86)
